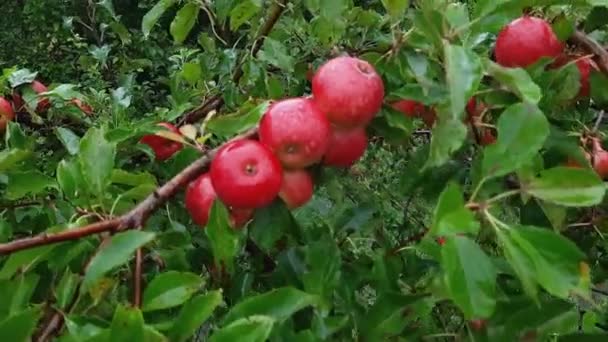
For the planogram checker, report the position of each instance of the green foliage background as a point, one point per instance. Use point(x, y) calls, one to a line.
point(359, 262)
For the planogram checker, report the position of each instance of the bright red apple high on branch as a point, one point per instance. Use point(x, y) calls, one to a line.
point(525, 41)
point(163, 148)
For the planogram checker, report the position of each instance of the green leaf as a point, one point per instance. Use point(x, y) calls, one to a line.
point(225, 241)
point(323, 271)
point(270, 224)
point(463, 75)
point(194, 313)
point(251, 329)
point(278, 304)
point(184, 21)
point(472, 285)
point(275, 53)
point(66, 288)
point(21, 184)
point(396, 8)
point(599, 88)
point(69, 178)
point(21, 76)
point(132, 179)
point(596, 19)
point(154, 14)
point(516, 79)
point(170, 289)
point(564, 83)
point(559, 265)
point(117, 252)
point(389, 316)
point(69, 139)
point(192, 72)
point(127, 325)
point(24, 260)
point(244, 11)
point(230, 125)
point(12, 157)
point(15, 137)
point(96, 160)
point(522, 130)
point(65, 92)
point(447, 138)
point(20, 327)
point(566, 186)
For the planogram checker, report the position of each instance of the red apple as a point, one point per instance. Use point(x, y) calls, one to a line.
point(38, 88)
point(487, 137)
point(348, 90)
point(600, 163)
point(200, 197)
point(245, 174)
point(415, 109)
point(584, 66)
point(297, 188)
point(85, 108)
point(346, 147)
point(6, 113)
point(526, 40)
point(296, 131)
point(163, 148)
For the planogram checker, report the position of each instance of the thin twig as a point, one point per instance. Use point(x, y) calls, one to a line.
point(598, 121)
point(216, 101)
point(137, 278)
point(135, 218)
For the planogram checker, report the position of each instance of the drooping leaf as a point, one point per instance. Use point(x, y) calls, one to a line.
point(154, 14)
point(117, 252)
point(472, 286)
point(566, 186)
point(127, 324)
point(69, 139)
point(447, 138)
point(21, 184)
point(170, 289)
point(242, 12)
point(225, 241)
point(20, 327)
point(270, 224)
point(96, 160)
point(517, 80)
point(252, 329)
point(275, 53)
point(184, 21)
point(193, 314)
point(279, 304)
point(463, 75)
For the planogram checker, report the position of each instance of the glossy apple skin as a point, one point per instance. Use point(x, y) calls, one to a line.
point(246, 174)
point(43, 103)
point(414, 109)
point(85, 108)
point(348, 90)
point(163, 148)
point(346, 147)
point(297, 188)
point(200, 196)
point(6, 113)
point(526, 40)
point(296, 131)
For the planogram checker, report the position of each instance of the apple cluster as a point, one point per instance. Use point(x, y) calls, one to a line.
point(8, 108)
point(327, 128)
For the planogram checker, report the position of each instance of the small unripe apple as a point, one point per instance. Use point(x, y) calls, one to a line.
point(297, 188)
point(346, 147)
point(245, 174)
point(526, 40)
point(6, 113)
point(200, 196)
point(296, 131)
point(348, 90)
point(163, 148)
point(85, 108)
point(43, 103)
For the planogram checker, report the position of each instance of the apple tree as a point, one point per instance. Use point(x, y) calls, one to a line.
point(303, 170)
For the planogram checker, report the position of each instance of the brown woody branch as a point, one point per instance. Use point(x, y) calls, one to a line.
point(216, 101)
point(134, 218)
point(592, 47)
point(137, 278)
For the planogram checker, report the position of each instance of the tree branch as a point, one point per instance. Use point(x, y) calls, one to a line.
point(135, 218)
point(137, 278)
point(591, 46)
point(216, 101)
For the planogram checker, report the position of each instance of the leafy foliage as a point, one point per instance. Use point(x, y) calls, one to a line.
point(432, 235)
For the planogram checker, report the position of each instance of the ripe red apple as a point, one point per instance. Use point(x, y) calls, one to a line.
point(600, 163)
point(415, 109)
point(478, 324)
point(487, 137)
point(200, 196)
point(297, 188)
point(348, 90)
point(346, 147)
point(524, 41)
point(6, 113)
point(296, 131)
point(85, 108)
point(584, 66)
point(38, 88)
point(163, 148)
point(245, 174)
